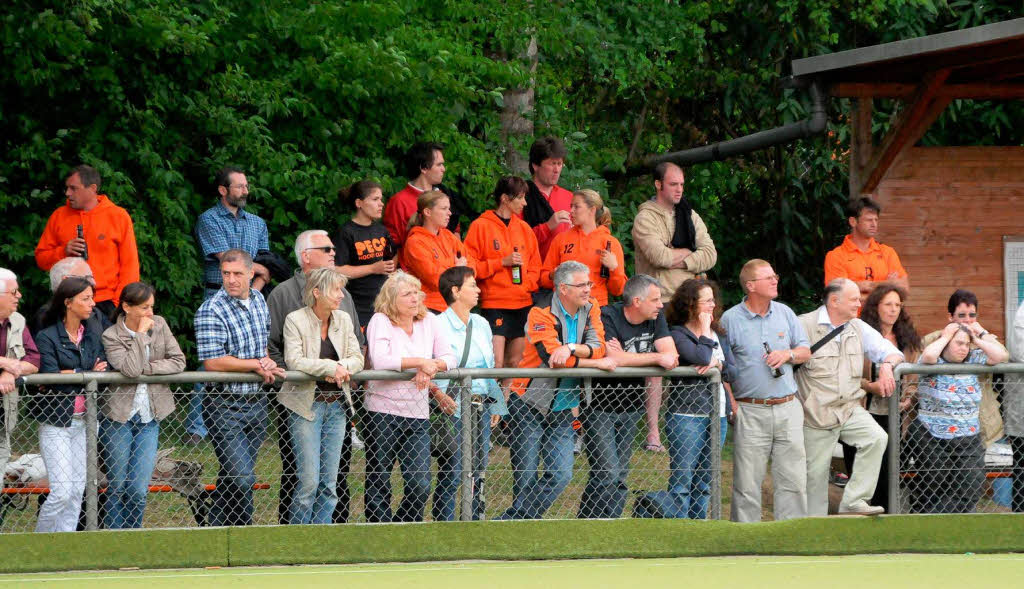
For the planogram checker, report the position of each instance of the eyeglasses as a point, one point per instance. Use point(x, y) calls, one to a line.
point(240, 186)
point(582, 285)
point(966, 315)
point(774, 277)
point(324, 248)
point(14, 293)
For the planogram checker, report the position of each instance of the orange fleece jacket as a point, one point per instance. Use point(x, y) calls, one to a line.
point(581, 247)
point(426, 256)
point(488, 241)
point(110, 238)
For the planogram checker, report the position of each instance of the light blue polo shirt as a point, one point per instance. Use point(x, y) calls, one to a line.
point(568, 395)
point(748, 332)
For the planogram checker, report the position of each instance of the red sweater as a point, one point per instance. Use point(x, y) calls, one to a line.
point(109, 237)
point(400, 208)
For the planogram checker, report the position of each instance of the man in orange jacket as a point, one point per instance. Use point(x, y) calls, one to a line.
point(563, 331)
point(92, 227)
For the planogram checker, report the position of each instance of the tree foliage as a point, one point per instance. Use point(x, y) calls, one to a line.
point(159, 94)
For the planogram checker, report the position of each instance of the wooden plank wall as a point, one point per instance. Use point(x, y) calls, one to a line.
point(945, 210)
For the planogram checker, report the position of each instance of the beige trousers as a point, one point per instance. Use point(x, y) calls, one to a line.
point(766, 432)
point(863, 433)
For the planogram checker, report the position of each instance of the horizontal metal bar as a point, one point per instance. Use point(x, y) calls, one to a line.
point(81, 378)
point(1008, 368)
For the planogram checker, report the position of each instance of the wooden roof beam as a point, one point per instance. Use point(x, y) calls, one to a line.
point(920, 112)
point(972, 91)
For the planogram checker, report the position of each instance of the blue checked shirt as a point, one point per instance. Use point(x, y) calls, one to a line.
point(227, 327)
point(218, 230)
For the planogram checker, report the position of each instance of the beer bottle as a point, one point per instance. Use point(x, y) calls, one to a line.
point(605, 273)
point(81, 235)
point(517, 270)
point(775, 371)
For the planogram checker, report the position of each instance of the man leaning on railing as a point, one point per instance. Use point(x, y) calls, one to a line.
point(829, 386)
point(231, 336)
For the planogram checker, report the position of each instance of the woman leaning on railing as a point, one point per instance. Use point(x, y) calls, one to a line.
point(138, 344)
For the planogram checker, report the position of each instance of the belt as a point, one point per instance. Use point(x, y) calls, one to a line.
point(328, 397)
point(778, 401)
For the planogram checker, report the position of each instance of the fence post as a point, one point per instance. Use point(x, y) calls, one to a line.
point(467, 421)
point(715, 434)
point(91, 458)
point(893, 449)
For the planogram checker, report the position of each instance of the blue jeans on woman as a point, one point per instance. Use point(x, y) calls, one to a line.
point(689, 453)
point(449, 470)
point(407, 439)
point(129, 456)
point(317, 447)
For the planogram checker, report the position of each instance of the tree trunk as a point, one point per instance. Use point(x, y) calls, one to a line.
point(516, 116)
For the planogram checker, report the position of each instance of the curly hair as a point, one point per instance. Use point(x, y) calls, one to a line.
point(907, 339)
point(683, 305)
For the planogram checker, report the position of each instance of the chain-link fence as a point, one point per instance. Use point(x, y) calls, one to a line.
point(946, 451)
point(97, 450)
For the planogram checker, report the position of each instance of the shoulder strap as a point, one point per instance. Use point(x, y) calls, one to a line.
point(827, 338)
point(469, 341)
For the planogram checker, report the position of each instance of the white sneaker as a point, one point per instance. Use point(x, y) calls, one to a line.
point(357, 444)
point(861, 508)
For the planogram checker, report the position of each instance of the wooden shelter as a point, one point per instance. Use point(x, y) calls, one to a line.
point(955, 214)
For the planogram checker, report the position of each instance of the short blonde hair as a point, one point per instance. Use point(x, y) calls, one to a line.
point(749, 270)
point(387, 299)
point(322, 279)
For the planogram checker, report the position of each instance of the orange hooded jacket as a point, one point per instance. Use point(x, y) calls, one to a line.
point(583, 248)
point(426, 256)
point(110, 240)
point(488, 241)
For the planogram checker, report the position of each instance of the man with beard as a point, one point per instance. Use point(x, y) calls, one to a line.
point(223, 227)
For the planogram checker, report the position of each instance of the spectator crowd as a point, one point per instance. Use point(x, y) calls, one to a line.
point(531, 285)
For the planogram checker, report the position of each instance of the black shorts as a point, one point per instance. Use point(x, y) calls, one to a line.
point(508, 323)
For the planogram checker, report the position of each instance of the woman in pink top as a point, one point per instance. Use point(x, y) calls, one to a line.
point(402, 335)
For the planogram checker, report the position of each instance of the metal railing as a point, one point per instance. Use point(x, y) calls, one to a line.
point(93, 386)
point(912, 468)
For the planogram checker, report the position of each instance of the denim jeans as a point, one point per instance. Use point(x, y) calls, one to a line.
point(689, 452)
point(534, 437)
point(449, 471)
point(407, 439)
point(237, 427)
point(608, 437)
point(129, 455)
point(317, 446)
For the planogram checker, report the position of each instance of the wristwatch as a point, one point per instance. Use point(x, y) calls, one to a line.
point(792, 357)
point(982, 334)
point(572, 349)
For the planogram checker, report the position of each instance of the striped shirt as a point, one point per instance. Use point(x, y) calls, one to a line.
point(219, 230)
point(227, 326)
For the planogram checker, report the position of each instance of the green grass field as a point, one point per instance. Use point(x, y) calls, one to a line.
point(891, 570)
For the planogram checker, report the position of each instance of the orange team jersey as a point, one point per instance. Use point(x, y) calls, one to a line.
point(575, 245)
point(488, 241)
point(544, 336)
point(426, 256)
point(848, 261)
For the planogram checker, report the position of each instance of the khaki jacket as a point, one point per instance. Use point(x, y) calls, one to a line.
point(652, 243)
point(15, 350)
point(829, 383)
point(302, 353)
point(988, 413)
point(127, 355)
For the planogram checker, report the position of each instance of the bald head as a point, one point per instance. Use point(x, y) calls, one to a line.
point(842, 300)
